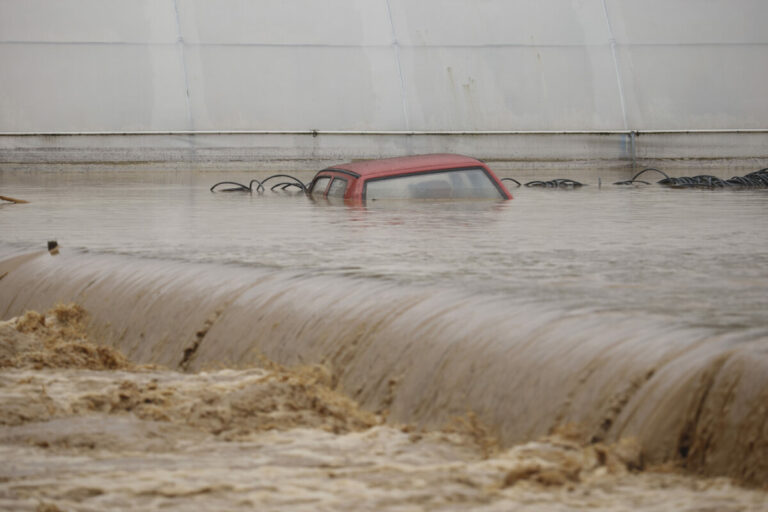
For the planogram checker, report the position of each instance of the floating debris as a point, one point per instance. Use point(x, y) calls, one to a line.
point(13, 200)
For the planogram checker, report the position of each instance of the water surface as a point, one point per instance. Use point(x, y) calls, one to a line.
point(699, 256)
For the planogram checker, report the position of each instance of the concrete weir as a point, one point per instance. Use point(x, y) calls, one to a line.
point(426, 355)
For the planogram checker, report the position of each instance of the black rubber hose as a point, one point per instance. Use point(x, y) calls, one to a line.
point(635, 180)
point(556, 183)
point(760, 176)
point(711, 181)
point(513, 180)
point(283, 185)
point(649, 169)
point(240, 187)
point(299, 184)
point(740, 180)
point(565, 182)
point(756, 179)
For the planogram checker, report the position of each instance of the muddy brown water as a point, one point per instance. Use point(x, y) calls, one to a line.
point(632, 314)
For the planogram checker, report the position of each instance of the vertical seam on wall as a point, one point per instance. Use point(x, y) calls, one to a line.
point(180, 44)
point(396, 46)
point(619, 83)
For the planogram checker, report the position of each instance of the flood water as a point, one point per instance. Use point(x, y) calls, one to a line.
point(633, 314)
point(697, 256)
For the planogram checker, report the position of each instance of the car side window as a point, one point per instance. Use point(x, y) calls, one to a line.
point(338, 187)
point(321, 183)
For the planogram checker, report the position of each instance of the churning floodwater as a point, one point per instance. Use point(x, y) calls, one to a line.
point(632, 317)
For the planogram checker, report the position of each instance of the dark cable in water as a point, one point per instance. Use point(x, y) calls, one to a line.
point(512, 179)
point(296, 182)
point(635, 180)
point(239, 187)
point(757, 179)
point(286, 185)
point(556, 183)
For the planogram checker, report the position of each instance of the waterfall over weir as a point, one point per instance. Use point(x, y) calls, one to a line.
point(428, 354)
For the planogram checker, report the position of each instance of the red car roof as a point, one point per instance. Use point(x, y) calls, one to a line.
point(407, 163)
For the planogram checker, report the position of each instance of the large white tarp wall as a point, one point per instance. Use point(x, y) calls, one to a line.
point(160, 65)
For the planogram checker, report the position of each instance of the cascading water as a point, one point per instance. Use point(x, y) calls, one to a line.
point(428, 353)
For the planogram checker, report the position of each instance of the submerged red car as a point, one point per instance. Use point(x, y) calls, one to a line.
point(438, 176)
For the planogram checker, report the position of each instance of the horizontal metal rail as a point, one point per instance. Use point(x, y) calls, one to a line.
point(386, 132)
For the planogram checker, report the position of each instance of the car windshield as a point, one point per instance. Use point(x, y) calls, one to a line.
point(471, 183)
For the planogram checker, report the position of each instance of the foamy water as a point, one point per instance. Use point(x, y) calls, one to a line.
point(84, 429)
point(636, 314)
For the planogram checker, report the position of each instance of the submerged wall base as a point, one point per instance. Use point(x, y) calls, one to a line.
point(734, 150)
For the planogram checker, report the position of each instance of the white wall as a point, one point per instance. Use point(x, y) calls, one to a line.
point(154, 65)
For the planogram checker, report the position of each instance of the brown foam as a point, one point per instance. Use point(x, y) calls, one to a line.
point(423, 356)
point(273, 437)
point(278, 398)
point(57, 339)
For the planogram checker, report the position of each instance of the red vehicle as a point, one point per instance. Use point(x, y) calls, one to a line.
point(438, 176)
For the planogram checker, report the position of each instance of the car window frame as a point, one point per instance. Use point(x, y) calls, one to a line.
point(317, 178)
point(330, 186)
